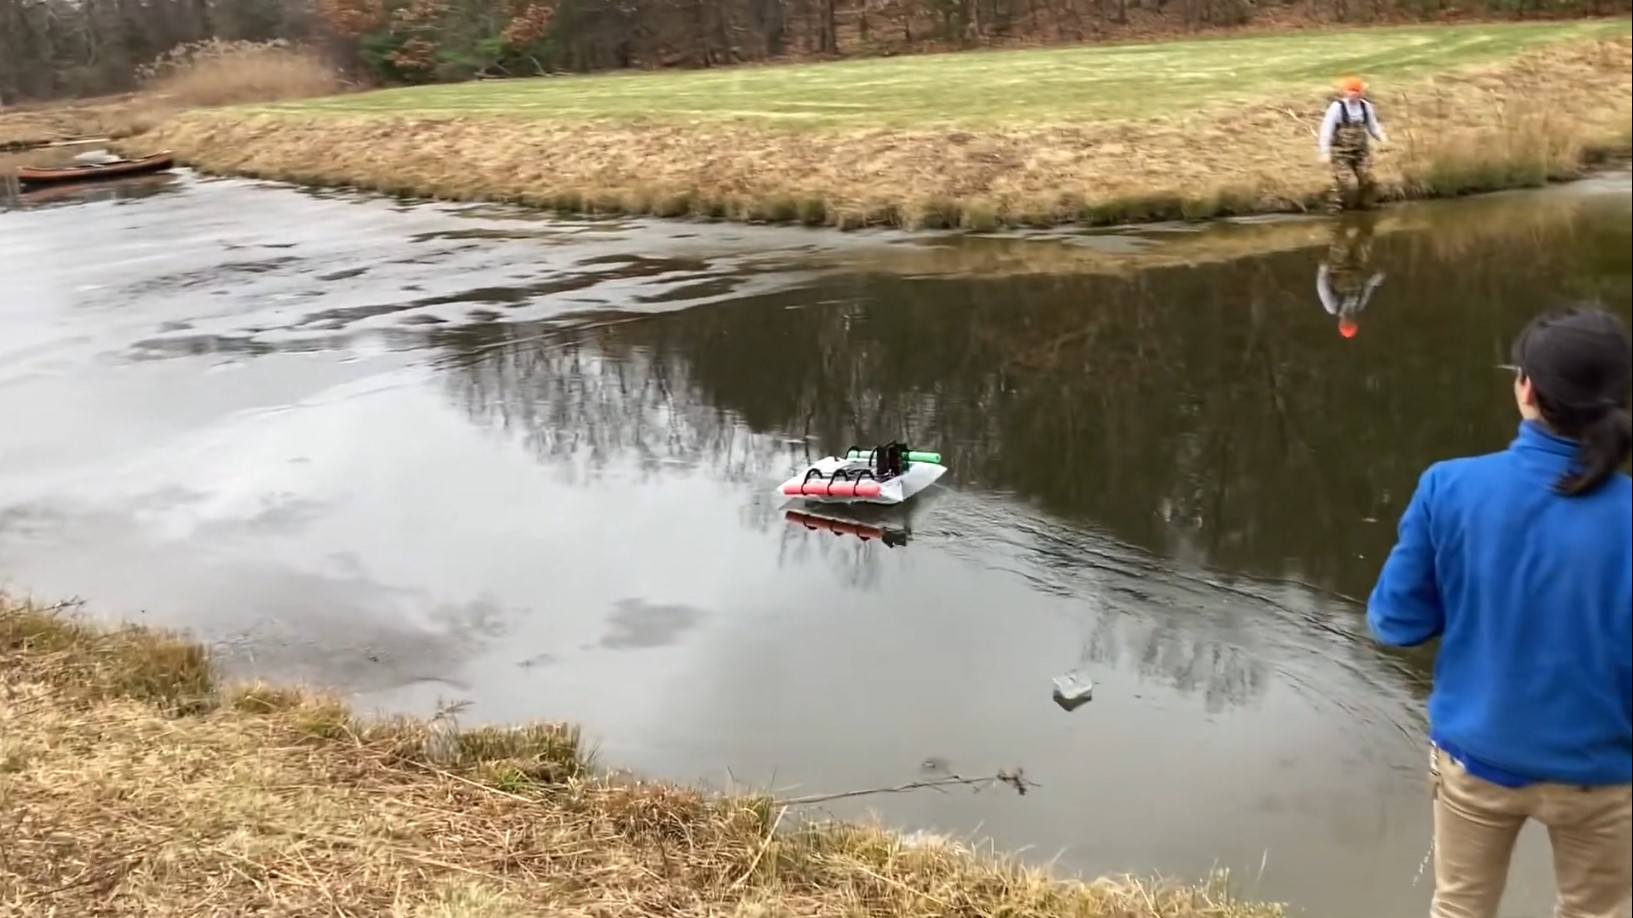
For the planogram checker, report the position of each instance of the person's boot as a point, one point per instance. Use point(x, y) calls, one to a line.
point(1366, 196)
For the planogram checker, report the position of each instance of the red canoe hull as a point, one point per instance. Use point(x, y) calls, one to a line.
point(59, 175)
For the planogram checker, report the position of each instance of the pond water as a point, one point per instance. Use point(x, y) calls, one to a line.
point(426, 454)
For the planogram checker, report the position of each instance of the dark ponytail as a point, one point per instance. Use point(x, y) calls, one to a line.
point(1580, 364)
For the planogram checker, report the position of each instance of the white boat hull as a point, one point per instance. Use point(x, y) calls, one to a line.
point(915, 477)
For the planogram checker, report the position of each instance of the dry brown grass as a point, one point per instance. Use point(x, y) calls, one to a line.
point(25, 126)
point(1541, 115)
point(1491, 224)
point(218, 72)
point(131, 784)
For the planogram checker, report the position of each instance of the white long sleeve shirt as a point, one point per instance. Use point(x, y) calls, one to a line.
point(1359, 110)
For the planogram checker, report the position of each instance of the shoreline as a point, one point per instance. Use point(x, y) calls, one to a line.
point(1547, 114)
point(279, 797)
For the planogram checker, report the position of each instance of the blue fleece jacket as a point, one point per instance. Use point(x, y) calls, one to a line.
point(1531, 594)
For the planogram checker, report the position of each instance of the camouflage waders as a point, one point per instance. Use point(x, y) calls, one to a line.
point(1351, 155)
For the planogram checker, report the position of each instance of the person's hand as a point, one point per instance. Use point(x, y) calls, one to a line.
point(1324, 157)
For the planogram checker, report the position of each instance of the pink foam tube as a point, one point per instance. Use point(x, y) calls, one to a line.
point(818, 487)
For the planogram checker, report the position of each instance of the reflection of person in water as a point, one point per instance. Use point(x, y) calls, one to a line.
point(1339, 281)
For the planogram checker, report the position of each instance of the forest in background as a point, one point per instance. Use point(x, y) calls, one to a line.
point(56, 49)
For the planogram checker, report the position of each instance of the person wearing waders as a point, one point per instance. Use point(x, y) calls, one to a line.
point(1344, 142)
point(1520, 563)
point(1338, 282)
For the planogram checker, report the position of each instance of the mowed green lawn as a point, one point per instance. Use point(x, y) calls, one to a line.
point(1076, 83)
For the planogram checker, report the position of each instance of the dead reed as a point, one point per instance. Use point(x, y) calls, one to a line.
point(189, 76)
point(134, 784)
point(219, 72)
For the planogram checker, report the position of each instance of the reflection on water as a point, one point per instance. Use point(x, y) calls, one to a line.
point(118, 191)
point(851, 522)
point(1342, 281)
point(1197, 415)
point(426, 452)
point(1176, 410)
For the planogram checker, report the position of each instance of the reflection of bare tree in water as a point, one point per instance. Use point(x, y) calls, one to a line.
point(855, 540)
point(857, 562)
point(1162, 648)
point(586, 398)
point(589, 397)
point(1202, 411)
point(1166, 623)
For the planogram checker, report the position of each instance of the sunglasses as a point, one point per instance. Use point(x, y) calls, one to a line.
point(1516, 369)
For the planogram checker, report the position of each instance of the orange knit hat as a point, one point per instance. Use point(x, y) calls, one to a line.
point(1352, 84)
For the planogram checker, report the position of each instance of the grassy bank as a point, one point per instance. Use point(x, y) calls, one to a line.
point(26, 126)
point(1496, 223)
point(1093, 134)
point(135, 783)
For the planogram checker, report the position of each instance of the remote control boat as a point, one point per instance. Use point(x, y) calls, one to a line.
point(887, 474)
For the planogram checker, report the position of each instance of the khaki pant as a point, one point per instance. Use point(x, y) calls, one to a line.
point(1476, 823)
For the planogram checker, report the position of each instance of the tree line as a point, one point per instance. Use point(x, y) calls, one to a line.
point(62, 48)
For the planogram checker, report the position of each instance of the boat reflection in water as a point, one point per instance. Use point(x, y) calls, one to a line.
point(834, 521)
point(854, 540)
point(125, 189)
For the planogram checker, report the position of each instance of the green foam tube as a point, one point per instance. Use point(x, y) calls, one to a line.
point(912, 455)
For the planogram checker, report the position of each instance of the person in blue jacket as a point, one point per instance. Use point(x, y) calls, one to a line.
point(1521, 563)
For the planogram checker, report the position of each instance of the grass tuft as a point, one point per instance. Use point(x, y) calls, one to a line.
point(260, 698)
point(813, 212)
point(124, 802)
point(93, 663)
point(979, 217)
point(678, 204)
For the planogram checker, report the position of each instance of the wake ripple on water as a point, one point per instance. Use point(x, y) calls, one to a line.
point(1240, 633)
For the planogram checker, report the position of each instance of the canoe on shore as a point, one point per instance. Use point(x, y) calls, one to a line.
point(34, 176)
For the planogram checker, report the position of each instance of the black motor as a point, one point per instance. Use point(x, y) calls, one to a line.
point(887, 460)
